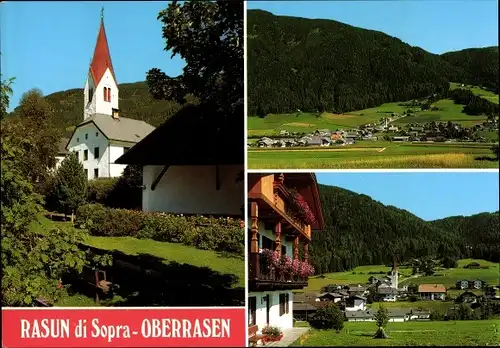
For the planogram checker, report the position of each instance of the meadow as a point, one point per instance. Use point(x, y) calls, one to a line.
point(430, 333)
point(367, 154)
point(492, 97)
point(448, 277)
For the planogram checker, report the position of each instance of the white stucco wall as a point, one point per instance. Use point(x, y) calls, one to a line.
point(192, 190)
point(358, 306)
point(389, 298)
point(79, 143)
point(284, 321)
point(115, 152)
point(98, 105)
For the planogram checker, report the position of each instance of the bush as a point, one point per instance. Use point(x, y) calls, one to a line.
point(219, 234)
point(271, 331)
point(436, 315)
point(329, 317)
point(100, 189)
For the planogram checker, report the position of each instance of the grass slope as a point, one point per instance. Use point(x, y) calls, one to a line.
point(435, 333)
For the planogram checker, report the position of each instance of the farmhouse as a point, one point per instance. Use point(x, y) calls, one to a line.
point(388, 294)
point(467, 297)
point(401, 138)
point(61, 151)
point(357, 290)
point(432, 291)
point(278, 227)
point(330, 296)
point(103, 135)
point(181, 178)
point(355, 303)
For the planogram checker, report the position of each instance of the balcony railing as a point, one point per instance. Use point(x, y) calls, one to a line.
point(262, 275)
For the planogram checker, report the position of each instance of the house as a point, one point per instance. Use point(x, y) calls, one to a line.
point(351, 135)
point(462, 284)
point(355, 303)
point(432, 291)
point(475, 284)
point(467, 297)
point(61, 151)
point(357, 290)
point(401, 138)
point(395, 315)
point(184, 179)
point(330, 296)
point(103, 135)
point(318, 141)
point(388, 294)
point(419, 315)
point(265, 142)
point(284, 132)
point(272, 228)
point(323, 133)
point(393, 129)
point(359, 316)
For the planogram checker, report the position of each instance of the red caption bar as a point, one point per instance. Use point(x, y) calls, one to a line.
point(126, 327)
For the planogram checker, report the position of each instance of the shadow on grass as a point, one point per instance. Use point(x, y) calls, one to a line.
point(146, 280)
point(486, 158)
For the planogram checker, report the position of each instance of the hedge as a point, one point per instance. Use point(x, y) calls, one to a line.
point(209, 233)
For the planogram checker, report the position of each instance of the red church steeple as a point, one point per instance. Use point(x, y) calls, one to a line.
point(102, 58)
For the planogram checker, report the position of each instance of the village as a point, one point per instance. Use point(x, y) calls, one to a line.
point(357, 300)
point(429, 132)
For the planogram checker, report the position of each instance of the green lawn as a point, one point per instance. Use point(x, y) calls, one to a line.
point(431, 333)
point(442, 306)
point(174, 252)
point(373, 154)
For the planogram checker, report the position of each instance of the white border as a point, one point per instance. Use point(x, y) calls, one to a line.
point(245, 95)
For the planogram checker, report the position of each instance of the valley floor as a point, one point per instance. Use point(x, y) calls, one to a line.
point(430, 333)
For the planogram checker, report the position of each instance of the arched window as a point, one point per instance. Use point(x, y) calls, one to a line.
point(107, 94)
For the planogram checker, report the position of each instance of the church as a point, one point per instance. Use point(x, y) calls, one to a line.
point(103, 135)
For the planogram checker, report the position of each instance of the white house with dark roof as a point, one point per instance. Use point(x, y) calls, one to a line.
point(104, 135)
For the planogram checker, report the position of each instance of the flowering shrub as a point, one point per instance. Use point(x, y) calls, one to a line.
point(296, 265)
point(285, 265)
point(306, 269)
point(271, 258)
point(301, 208)
point(203, 232)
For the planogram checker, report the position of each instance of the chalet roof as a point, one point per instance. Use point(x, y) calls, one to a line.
point(193, 136)
point(387, 290)
point(333, 294)
point(357, 289)
point(61, 146)
point(102, 58)
point(435, 288)
point(120, 129)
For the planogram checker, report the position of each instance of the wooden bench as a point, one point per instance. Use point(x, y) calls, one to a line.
point(253, 338)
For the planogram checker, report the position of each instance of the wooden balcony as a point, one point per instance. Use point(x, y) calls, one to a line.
point(262, 277)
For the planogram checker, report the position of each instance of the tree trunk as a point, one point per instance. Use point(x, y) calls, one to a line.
point(380, 333)
point(72, 218)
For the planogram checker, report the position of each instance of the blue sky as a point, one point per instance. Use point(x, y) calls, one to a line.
point(49, 45)
point(436, 26)
point(430, 196)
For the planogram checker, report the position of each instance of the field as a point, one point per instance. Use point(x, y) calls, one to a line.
point(431, 333)
point(368, 154)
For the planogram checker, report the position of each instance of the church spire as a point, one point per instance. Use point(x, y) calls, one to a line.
point(101, 60)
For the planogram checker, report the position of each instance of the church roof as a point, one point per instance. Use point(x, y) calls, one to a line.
point(120, 129)
point(102, 58)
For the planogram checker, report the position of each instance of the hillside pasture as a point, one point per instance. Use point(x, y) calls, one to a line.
point(488, 95)
point(430, 333)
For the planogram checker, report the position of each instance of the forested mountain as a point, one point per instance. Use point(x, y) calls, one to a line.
point(361, 231)
point(476, 66)
point(135, 102)
point(324, 65)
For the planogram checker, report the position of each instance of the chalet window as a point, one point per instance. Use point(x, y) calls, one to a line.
point(96, 173)
point(85, 155)
point(77, 140)
point(268, 243)
point(77, 153)
point(86, 173)
point(252, 310)
point(96, 152)
point(86, 136)
point(283, 304)
point(96, 134)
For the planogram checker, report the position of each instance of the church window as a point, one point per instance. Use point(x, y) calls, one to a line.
point(109, 94)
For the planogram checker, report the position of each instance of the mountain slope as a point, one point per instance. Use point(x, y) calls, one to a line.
point(361, 231)
point(324, 65)
point(476, 66)
point(135, 102)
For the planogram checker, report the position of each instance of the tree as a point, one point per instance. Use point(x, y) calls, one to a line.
point(71, 185)
point(496, 151)
point(35, 134)
point(329, 317)
point(209, 37)
point(32, 261)
point(127, 192)
point(450, 262)
point(5, 94)
point(381, 318)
